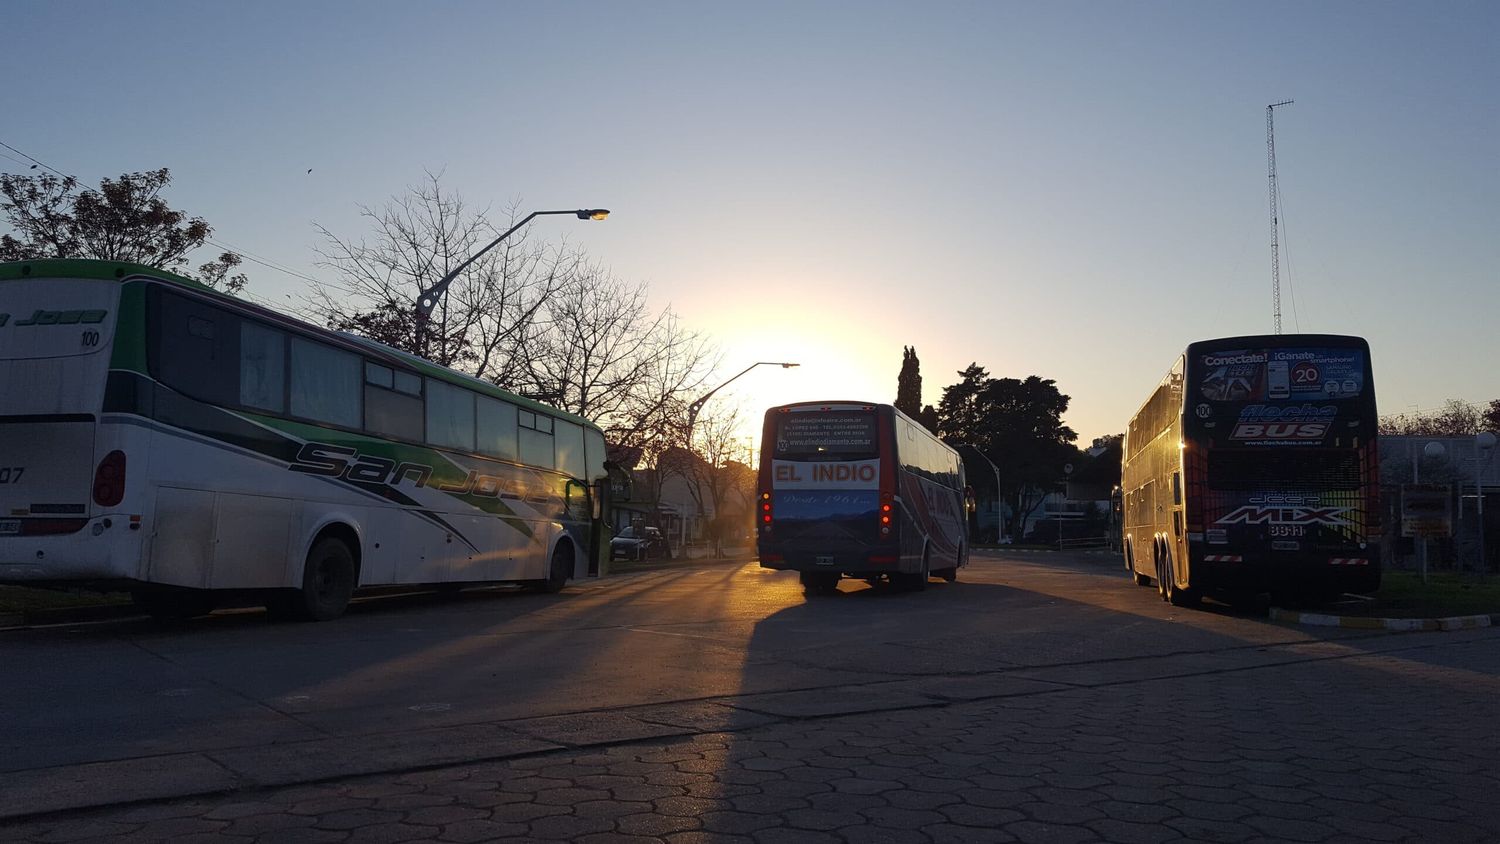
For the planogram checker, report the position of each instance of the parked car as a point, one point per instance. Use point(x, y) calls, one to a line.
point(638, 543)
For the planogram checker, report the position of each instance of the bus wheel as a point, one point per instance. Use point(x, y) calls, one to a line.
point(1161, 575)
point(820, 581)
point(1176, 596)
point(560, 571)
point(328, 581)
point(173, 604)
point(1140, 579)
point(917, 582)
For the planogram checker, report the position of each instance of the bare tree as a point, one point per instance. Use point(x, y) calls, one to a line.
point(538, 320)
point(719, 479)
point(602, 353)
point(1456, 418)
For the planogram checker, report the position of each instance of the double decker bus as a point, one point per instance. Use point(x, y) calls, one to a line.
point(195, 449)
point(860, 490)
point(1252, 468)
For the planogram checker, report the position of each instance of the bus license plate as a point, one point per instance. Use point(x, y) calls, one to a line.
point(1284, 545)
point(825, 561)
point(10, 527)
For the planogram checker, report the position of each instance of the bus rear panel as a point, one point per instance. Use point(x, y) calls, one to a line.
point(827, 496)
point(1280, 465)
point(59, 471)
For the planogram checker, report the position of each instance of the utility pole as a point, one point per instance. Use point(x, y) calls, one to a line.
point(1275, 223)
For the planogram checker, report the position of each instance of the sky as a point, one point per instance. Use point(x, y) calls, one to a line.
point(1063, 189)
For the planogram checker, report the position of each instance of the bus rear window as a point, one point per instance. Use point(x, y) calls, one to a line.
point(826, 435)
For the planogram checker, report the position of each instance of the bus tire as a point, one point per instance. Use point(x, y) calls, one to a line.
point(328, 581)
point(917, 582)
point(559, 571)
point(820, 581)
point(1176, 596)
point(1140, 579)
point(173, 604)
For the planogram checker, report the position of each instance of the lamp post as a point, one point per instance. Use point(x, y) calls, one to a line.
point(697, 405)
point(1434, 450)
point(996, 469)
point(429, 298)
point(1484, 443)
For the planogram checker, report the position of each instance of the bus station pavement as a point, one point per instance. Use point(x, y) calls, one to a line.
point(1279, 753)
point(1373, 736)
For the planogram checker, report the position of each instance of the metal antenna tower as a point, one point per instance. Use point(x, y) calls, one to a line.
point(1275, 223)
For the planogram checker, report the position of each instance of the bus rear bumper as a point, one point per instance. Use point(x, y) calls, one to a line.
point(859, 561)
point(80, 556)
point(1299, 573)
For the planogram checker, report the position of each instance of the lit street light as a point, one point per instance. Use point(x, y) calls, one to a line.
point(432, 295)
point(697, 405)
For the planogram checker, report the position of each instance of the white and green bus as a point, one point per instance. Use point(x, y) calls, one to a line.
point(160, 437)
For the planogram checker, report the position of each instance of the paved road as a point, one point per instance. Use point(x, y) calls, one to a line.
point(1040, 699)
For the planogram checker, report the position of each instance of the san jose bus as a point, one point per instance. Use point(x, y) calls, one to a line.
point(1252, 468)
point(859, 489)
point(164, 438)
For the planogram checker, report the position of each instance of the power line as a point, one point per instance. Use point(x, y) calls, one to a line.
point(33, 160)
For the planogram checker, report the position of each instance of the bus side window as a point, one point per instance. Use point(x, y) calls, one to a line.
point(1176, 487)
point(497, 428)
point(536, 440)
point(196, 349)
point(262, 367)
point(325, 383)
point(390, 412)
point(450, 416)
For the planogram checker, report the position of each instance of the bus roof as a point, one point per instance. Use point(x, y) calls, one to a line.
point(123, 271)
point(1279, 340)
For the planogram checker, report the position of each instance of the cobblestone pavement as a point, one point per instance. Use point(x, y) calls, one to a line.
point(1355, 745)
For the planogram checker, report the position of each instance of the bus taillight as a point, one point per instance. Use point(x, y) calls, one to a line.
point(109, 479)
point(765, 511)
point(886, 509)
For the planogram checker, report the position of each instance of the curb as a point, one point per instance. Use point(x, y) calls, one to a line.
point(1460, 622)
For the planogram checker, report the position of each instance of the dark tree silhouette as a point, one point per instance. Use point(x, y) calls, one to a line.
point(909, 384)
point(1018, 425)
point(126, 219)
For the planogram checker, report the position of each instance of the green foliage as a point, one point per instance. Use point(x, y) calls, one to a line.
point(126, 219)
point(1015, 423)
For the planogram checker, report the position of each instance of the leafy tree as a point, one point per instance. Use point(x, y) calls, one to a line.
point(126, 219)
point(1492, 416)
point(1015, 423)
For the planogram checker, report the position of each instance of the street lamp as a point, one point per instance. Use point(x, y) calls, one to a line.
point(1484, 443)
point(1433, 450)
point(430, 297)
point(996, 469)
point(697, 405)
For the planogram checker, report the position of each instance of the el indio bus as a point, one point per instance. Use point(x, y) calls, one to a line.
point(860, 490)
